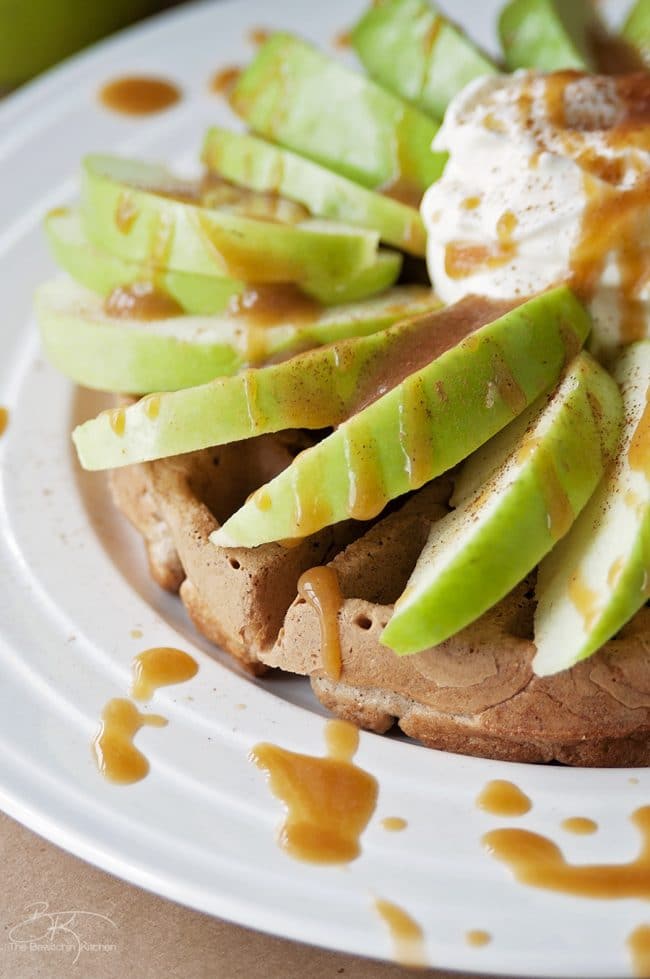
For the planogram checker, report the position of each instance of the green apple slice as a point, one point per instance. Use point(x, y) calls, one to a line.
point(440, 411)
point(199, 295)
point(548, 34)
point(113, 354)
point(524, 491)
point(598, 576)
point(313, 390)
point(252, 162)
point(307, 102)
point(412, 49)
point(636, 30)
point(133, 210)
point(100, 271)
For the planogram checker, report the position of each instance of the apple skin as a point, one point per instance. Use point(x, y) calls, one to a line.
point(503, 524)
point(394, 43)
point(112, 354)
point(606, 556)
point(139, 225)
point(252, 162)
point(100, 271)
point(312, 390)
point(453, 404)
point(636, 30)
point(341, 119)
point(549, 35)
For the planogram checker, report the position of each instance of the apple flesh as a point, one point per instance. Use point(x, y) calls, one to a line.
point(411, 48)
point(312, 390)
point(425, 424)
point(134, 211)
point(253, 162)
point(299, 98)
point(550, 35)
point(514, 501)
point(113, 354)
point(598, 576)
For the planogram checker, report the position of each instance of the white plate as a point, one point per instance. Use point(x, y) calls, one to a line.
point(73, 584)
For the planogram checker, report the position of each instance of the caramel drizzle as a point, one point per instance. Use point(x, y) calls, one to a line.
point(579, 825)
point(366, 491)
point(329, 800)
point(415, 432)
point(141, 301)
point(502, 798)
point(638, 455)
point(160, 667)
point(4, 420)
point(559, 510)
point(585, 600)
point(319, 587)
point(638, 944)
point(224, 81)
point(538, 862)
point(406, 934)
point(117, 757)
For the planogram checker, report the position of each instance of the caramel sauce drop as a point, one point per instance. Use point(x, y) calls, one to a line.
point(329, 800)
point(639, 452)
point(160, 667)
point(141, 301)
point(478, 938)
point(502, 798)
point(393, 824)
point(405, 932)
point(117, 757)
point(4, 420)
point(639, 945)
point(139, 95)
point(402, 191)
point(366, 495)
point(510, 392)
point(585, 600)
point(415, 432)
point(224, 81)
point(579, 825)
point(538, 862)
point(343, 40)
point(320, 588)
point(259, 35)
point(269, 304)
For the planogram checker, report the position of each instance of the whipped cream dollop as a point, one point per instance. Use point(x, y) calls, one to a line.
point(548, 181)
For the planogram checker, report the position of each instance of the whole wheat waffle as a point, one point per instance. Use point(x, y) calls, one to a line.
point(474, 694)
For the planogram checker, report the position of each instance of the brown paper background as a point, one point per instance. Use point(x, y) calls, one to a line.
point(154, 938)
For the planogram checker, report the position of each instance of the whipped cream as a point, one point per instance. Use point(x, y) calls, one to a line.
point(548, 181)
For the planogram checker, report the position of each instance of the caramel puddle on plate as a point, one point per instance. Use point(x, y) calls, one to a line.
point(159, 667)
point(139, 95)
point(319, 587)
point(537, 861)
point(639, 945)
point(117, 757)
point(329, 800)
point(502, 798)
point(393, 824)
point(405, 932)
point(4, 420)
point(579, 825)
point(477, 938)
point(224, 80)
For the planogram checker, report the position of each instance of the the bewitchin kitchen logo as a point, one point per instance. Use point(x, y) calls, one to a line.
point(68, 932)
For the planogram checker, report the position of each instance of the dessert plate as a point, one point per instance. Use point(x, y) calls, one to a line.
point(76, 604)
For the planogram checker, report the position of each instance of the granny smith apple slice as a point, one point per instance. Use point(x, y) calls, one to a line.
point(528, 485)
point(598, 576)
point(548, 34)
point(301, 99)
point(412, 49)
point(313, 390)
point(111, 353)
point(200, 295)
point(636, 30)
point(134, 210)
point(253, 162)
point(437, 410)
point(102, 272)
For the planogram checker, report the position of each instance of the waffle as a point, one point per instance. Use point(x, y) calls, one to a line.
point(475, 693)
